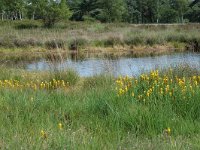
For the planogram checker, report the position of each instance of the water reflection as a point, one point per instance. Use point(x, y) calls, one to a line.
point(120, 66)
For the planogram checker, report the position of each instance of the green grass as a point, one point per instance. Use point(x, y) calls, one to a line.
point(94, 117)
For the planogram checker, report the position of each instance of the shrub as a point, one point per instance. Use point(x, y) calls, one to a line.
point(28, 25)
point(151, 41)
point(26, 43)
point(99, 43)
point(8, 41)
point(77, 43)
point(88, 19)
point(177, 38)
point(53, 12)
point(138, 40)
point(111, 41)
point(53, 44)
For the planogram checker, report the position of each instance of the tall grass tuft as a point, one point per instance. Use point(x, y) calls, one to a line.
point(69, 76)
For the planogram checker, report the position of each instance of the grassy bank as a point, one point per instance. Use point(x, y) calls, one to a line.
point(48, 110)
point(97, 38)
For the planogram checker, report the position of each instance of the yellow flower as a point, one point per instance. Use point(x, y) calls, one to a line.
point(126, 89)
point(133, 94)
point(194, 77)
point(196, 83)
point(121, 91)
point(161, 90)
point(60, 126)
point(43, 134)
point(167, 88)
point(136, 81)
point(168, 131)
point(139, 97)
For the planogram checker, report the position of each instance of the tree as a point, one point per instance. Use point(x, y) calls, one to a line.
point(181, 6)
point(167, 13)
point(112, 10)
point(132, 14)
point(82, 8)
point(33, 9)
point(2, 9)
point(132, 11)
point(14, 9)
point(53, 11)
point(193, 13)
point(194, 2)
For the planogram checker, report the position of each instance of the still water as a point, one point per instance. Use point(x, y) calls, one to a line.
point(121, 66)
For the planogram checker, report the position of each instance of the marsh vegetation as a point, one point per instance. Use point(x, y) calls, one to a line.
point(45, 110)
point(56, 94)
point(21, 39)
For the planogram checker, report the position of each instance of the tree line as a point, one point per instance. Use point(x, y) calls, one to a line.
point(131, 11)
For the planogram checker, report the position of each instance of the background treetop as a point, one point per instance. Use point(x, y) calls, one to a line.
point(131, 11)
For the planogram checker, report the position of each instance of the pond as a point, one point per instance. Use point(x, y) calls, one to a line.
point(120, 66)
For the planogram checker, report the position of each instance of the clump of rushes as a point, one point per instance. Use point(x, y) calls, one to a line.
point(77, 43)
point(70, 76)
point(152, 89)
point(55, 44)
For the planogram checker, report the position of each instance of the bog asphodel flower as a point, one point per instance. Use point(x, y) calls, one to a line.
point(132, 94)
point(60, 126)
point(168, 131)
point(43, 134)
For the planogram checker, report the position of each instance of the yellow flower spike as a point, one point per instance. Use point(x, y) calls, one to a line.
point(194, 77)
point(63, 83)
point(148, 94)
point(117, 81)
point(35, 87)
point(43, 134)
point(139, 97)
point(132, 94)
point(126, 89)
point(167, 88)
point(136, 81)
point(168, 131)
point(60, 126)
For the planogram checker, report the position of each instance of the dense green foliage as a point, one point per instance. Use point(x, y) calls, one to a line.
point(132, 11)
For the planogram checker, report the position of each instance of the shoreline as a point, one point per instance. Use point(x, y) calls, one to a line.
point(35, 53)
